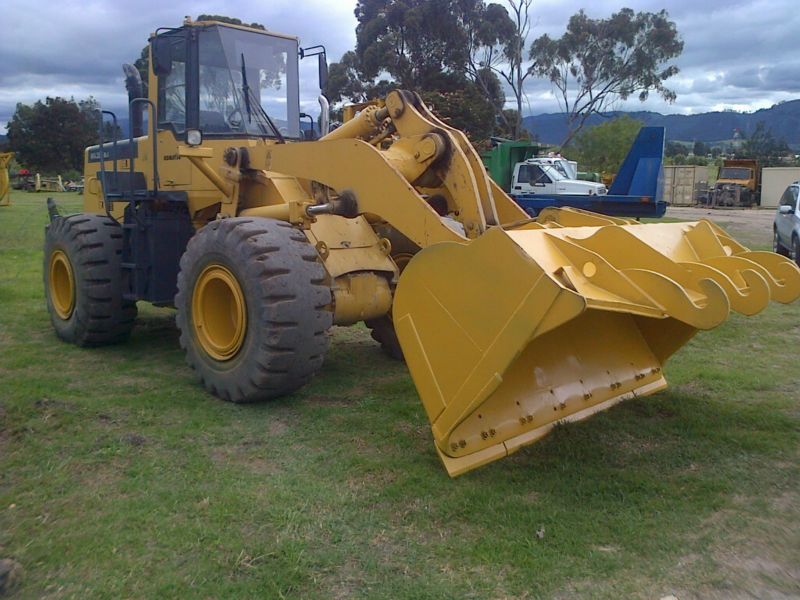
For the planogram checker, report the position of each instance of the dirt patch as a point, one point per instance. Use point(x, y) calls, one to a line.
point(788, 502)
point(757, 556)
point(276, 427)
point(50, 405)
point(635, 445)
point(756, 576)
point(10, 575)
point(370, 481)
point(337, 401)
point(418, 432)
point(693, 389)
point(242, 455)
point(750, 227)
point(5, 432)
point(97, 475)
point(348, 581)
point(134, 439)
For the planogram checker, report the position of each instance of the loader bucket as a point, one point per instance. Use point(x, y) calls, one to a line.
point(520, 329)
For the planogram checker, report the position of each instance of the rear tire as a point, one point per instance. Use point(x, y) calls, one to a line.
point(83, 280)
point(253, 308)
point(382, 328)
point(382, 331)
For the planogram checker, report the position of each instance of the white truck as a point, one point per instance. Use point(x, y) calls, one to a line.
point(545, 181)
point(551, 176)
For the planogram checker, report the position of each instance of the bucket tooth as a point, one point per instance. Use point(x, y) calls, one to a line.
point(518, 330)
point(705, 312)
point(784, 275)
point(748, 294)
point(611, 260)
point(736, 266)
point(702, 242)
point(681, 293)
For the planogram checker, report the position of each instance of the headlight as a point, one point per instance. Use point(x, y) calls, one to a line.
point(194, 137)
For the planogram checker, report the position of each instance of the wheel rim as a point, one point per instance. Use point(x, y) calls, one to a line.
point(219, 312)
point(61, 284)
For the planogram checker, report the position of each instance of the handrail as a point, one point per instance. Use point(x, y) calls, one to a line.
point(152, 118)
point(106, 203)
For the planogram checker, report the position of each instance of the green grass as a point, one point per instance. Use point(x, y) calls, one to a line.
point(121, 478)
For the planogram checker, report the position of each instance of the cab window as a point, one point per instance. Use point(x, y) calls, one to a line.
point(539, 176)
point(789, 197)
point(220, 87)
point(172, 90)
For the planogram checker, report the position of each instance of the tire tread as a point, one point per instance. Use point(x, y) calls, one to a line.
point(288, 307)
point(93, 245)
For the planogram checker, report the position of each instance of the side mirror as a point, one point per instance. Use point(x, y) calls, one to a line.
point(319, 52)
point(161, 52)
point(323, 70)
point(785, 209)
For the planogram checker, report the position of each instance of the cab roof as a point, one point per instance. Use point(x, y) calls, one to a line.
point(187, 22)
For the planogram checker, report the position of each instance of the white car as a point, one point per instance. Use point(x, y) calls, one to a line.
point(786, 228)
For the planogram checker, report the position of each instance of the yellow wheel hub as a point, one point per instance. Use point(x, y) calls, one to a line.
point(219, 312)
point(61, 284)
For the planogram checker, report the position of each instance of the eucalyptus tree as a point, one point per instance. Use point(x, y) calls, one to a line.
point(599, 61)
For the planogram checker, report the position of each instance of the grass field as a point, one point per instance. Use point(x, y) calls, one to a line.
point(121, 478)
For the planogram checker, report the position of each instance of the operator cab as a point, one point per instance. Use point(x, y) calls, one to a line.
point(227, 81)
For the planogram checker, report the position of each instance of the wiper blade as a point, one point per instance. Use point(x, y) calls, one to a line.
point(246, 90)
point(263, 114)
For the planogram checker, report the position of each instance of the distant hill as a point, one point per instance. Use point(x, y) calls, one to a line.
point(783, 119)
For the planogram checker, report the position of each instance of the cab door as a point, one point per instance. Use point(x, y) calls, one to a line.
point(531, 179)
point(784, 221)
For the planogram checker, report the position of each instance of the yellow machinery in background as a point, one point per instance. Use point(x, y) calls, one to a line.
point(262, 241)
point(5, 182)
point(48, 184)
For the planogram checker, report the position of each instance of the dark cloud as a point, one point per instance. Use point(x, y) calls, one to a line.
point(737, 52)
point(783, 77)
point(72, 48)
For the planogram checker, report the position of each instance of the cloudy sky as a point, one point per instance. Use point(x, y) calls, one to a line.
point(738, 54)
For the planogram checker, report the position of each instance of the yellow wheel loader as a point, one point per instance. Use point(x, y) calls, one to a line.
point(262, 238)
point(5, 184)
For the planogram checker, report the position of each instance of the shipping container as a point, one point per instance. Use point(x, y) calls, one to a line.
point(681, 183)
point(774, 181)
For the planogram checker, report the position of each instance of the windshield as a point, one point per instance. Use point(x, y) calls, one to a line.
point(735, 173)
point(248, 83)
point(558, 166)
point(555, 172)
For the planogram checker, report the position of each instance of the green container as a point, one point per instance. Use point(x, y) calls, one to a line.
point(500, 160)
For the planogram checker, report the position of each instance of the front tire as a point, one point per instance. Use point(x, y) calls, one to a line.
point(777, 247)
point(796, 250)
point(83, 280)
point(253, 308)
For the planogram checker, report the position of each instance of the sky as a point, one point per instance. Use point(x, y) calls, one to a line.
point(742, 55)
